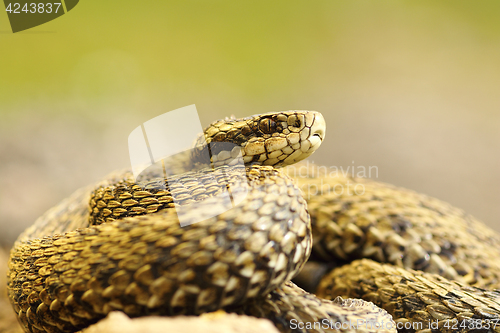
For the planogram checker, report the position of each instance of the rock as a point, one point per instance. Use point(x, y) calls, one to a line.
point(216, 322)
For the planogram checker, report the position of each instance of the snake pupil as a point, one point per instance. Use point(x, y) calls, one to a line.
point(267, 125)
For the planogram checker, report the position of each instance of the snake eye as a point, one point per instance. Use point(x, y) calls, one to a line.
point(267, 125)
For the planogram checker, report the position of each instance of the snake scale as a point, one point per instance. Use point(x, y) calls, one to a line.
point(118, 245)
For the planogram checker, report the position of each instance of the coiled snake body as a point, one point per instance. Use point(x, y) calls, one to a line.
point(65, 274)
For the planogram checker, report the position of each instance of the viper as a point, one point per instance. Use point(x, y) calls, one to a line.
point(119, 245)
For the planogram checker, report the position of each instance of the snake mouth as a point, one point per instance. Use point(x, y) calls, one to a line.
point(318, 136)
point(315, 141)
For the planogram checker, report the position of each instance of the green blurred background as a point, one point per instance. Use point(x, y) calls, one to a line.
point(411, 87)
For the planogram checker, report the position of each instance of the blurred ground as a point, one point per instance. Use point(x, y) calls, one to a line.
point(409, 87)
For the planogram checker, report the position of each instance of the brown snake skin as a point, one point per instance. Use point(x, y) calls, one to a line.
point(415, 299)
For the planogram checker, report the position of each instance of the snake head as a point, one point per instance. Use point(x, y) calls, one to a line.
point(275, 138)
